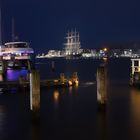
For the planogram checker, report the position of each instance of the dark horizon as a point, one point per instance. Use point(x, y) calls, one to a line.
point(45, 23)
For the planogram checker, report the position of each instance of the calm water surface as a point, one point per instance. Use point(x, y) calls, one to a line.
point(71, 113)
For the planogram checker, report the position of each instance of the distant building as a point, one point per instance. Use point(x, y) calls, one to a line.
point(89, 53)
point(54, 53)
point(126, 53)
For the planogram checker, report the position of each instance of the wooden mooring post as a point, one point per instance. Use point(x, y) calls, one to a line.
point(62, 78)
point(101, 86)
point(2, 67)
point(35, 94)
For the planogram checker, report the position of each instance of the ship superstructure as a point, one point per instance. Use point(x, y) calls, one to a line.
point(72, 45)
point(16, 51)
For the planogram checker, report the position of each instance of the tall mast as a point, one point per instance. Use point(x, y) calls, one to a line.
point(0, 28)
point(13, 29)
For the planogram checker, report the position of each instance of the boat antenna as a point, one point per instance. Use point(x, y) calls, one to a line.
point(0, 28)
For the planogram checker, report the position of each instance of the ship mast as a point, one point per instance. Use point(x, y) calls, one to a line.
point(72, 45)
point(13, 29)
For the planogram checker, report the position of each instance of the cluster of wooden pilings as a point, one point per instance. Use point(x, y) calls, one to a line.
point(62, 81)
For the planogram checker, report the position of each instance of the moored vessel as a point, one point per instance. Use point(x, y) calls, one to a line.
point(72, 45)
point(16, 54)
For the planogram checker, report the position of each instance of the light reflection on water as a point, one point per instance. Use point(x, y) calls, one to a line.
point(135, 111)
point(56, 96)
point(70, 113)
point(70, 89)
point(2, 121)
point(87, 84)
point(13, 75)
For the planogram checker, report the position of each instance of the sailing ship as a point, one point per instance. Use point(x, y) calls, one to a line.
point(72, 47)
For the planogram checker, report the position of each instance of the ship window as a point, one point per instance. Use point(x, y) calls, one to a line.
point(136, 63)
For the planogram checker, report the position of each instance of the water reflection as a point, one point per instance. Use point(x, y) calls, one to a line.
point(1, 90)
point(2, 122)
point(70, 89)
point(76, 86)
point(35, 131)
point(13, 75)
point(87, 84)
point(56, 95)
point(135, 111)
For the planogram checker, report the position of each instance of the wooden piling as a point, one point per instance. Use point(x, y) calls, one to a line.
point(62, 78)
point(35, 94)
point(101, 86)
point(3, 67)
point(1, 77)
point(75, 79)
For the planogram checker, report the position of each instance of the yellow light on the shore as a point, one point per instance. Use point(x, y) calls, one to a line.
point(104, 58)
point(105, 49)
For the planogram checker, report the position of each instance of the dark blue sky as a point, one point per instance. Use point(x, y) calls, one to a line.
point(44, 23)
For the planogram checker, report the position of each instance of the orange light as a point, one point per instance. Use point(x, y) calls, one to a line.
point(104, 58)
point(105, 49)
point(56, 95)
point(77, 82)
point(70, 83)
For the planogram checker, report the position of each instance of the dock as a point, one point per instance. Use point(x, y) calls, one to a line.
point(59, 82)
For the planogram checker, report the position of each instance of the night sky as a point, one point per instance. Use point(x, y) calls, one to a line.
point(44, 23)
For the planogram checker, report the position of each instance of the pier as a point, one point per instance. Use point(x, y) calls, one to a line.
point(59, 82)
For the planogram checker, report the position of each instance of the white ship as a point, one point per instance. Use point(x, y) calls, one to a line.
point(72, 45)
point(16, 54)
point(16, 51)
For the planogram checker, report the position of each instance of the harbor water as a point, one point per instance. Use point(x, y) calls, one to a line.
point(72, 113)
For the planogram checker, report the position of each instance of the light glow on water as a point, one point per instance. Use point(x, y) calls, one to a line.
point(56, 96)
point(13, 75)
